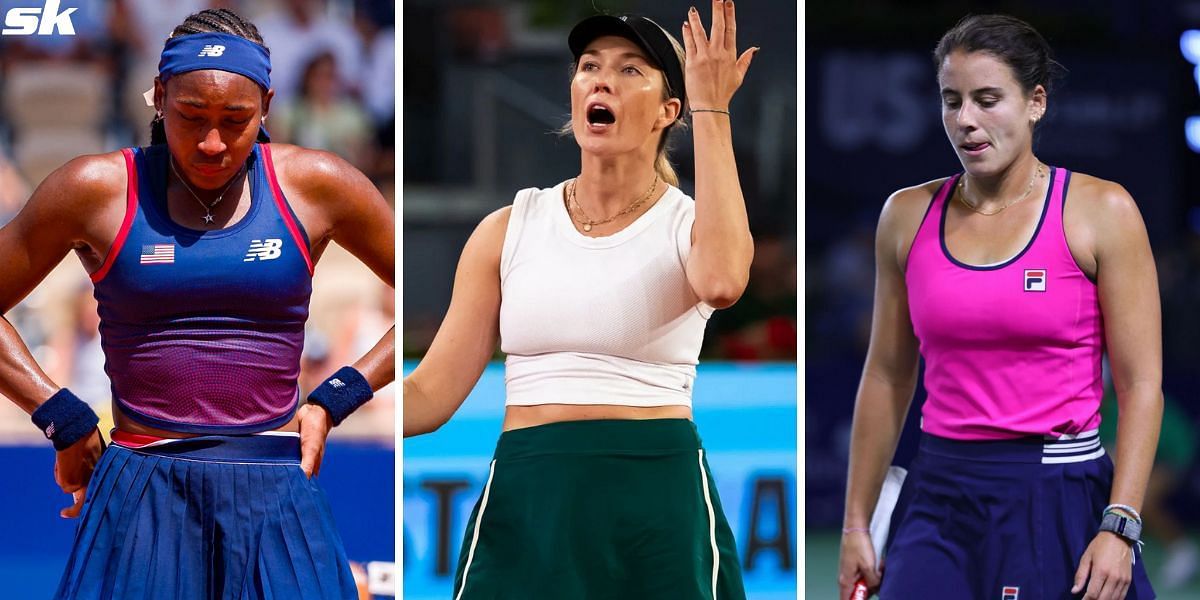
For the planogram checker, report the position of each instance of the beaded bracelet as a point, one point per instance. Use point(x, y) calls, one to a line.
point(1125, 507)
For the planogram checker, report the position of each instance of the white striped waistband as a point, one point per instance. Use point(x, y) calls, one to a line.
point(1072, 448)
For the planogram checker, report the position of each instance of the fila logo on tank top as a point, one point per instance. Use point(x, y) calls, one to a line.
point(202, 330)
point(1011, 349)
point(1035, 280)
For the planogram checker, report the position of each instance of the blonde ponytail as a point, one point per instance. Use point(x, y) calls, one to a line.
point(662, 164)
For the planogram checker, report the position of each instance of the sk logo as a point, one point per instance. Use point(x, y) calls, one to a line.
point(213, 50)
point(1035, 280)
point(39, 21)
point(264, 250)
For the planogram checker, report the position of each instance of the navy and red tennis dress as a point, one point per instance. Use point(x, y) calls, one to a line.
point(202, 330)
point(202, 333)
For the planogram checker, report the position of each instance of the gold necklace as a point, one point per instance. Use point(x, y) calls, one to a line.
point(208, 216)
point(587, 221)
point(962, 193)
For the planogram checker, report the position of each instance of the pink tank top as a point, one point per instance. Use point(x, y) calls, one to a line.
point(1011, 349)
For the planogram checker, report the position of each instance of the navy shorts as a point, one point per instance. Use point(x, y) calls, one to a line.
point(999, 520)
point(206, 518)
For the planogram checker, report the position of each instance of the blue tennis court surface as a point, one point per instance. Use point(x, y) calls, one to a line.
point(746, 415)
point(358, 477)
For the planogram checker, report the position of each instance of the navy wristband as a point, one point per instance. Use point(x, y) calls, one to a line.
point(342, 394)
point(65, 419)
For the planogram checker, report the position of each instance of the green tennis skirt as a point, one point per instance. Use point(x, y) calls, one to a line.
point(598, 510)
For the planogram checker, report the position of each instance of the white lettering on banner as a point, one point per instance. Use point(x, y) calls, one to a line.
point(25, 21)
point(872, 99)
point(1133, 110)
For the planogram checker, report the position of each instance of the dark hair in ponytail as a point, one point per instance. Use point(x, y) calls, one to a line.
point(1009, 39)
point(212, 20)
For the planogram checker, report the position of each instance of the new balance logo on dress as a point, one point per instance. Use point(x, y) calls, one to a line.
point(213, 50)
point(1035, 280)
point(158, 254)
point(264, 249)
point(1010, 592)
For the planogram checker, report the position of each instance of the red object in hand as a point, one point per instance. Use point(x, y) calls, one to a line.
point(860, 591)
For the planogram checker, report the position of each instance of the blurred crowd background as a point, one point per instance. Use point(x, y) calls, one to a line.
point(61, 96)
point(486, 87)
point(873, 125)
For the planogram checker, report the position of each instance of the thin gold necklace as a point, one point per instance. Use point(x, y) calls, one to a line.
point(587, 221)
point(962, 193)
point(208, 216)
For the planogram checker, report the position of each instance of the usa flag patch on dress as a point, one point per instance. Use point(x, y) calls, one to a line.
point(1035, 280)
point(158, 254)
point(1010, 592)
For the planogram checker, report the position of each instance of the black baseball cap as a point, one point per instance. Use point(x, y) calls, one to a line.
point(642, 31)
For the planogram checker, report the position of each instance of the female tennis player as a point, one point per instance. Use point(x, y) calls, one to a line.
point(599, 289)
point(201, 249)
point(1010, 279)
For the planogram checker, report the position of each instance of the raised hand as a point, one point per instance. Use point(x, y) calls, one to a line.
point(713, 70)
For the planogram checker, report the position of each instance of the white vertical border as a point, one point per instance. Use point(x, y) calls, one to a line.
point(712, 524)
point(398, 301)
point(487, 488)
point(801, 305)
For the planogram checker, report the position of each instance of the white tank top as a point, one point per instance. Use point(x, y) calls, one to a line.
point(608, 320)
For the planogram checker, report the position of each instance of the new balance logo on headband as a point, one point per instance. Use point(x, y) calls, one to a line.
point(213, 50)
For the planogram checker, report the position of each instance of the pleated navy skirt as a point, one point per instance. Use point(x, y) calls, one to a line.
point(206, 518)
point(999, 519)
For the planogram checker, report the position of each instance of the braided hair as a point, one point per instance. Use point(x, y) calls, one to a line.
point(212, 20)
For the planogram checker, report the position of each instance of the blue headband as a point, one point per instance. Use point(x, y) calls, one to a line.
point(220, 51)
